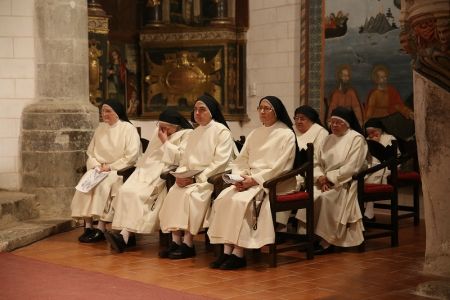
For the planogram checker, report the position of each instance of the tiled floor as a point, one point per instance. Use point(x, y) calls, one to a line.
point(379, 273)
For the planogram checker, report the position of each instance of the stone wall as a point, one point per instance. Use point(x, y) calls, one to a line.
point(17, 83)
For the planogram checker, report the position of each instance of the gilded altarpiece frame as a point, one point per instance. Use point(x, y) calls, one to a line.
point(180, 66)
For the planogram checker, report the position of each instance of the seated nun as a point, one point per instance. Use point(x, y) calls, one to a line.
point(209, 150)
point(114, 146)
point(308, 129)
point(139, 200)
point(338, 218)
point(268, 151)
point(375, 132)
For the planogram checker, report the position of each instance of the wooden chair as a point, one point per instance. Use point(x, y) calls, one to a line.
point(303, 199)
point(374, 192)
point(408, 179)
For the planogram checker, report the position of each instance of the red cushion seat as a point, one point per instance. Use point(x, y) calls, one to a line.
point(378, 188)
point(298, 196)
point(409, 176)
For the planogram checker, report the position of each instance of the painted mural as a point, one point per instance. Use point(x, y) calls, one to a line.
point(365, 66)
point(122, 76)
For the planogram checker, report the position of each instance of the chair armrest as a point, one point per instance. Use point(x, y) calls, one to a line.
point(286, 175)
point(363, 173)
point(166, 174)
point(126, 172)
point(217, 177)
point(81, 170)
point(218, 183)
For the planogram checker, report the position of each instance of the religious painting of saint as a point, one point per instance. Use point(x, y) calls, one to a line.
point(365, 67)
point(122, 77)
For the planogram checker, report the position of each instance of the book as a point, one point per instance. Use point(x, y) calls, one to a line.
point(90, 180)
point(232, 178)
point(185, 174)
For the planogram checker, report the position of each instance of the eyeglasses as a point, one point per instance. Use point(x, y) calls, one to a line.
point(336, 122)
point(264, 109)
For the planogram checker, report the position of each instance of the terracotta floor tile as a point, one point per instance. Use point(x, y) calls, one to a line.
point(380, 272)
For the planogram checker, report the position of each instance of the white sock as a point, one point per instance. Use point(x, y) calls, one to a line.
point(88, 223)
point(101, 226)
point(176, 237)
point(369, 212)
point(238, 251)
point(188, 238)
point(126, 235)
point(324, 244)
point(227, 249)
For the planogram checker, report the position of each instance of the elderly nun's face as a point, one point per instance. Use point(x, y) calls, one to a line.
point(266, 113)
point(168, 128)
point(337, 126)
point(202, 115)
point(302, 123)
point(109, 116)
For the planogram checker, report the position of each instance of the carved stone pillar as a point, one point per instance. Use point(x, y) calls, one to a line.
point(57, 128)
point(425, 35)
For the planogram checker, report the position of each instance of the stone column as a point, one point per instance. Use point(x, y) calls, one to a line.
point(57, 128)
point(432, 111)
point(431, 58)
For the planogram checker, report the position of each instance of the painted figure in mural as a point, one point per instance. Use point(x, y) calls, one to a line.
point(384, 99)
point(345, 95)
point(117, 74)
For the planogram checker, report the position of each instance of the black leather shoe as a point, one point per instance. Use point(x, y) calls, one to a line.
point(116, 241)
point(96, 236)
point(165, 252)
point(370, 220)
point(234, 262)
point(320, 250)
point(218, 262)
point(131, 241)
point(87, 232)
point(184, 251)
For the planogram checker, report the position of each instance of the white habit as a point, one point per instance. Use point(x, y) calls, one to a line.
point(267, 152)
point(316, 135)
point(118, 146)
point(337, 215)
point(140, 198)
point(379, 176)
point(210, 149)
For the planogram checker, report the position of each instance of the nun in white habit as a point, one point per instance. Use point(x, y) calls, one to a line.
point(209, 149)
point(268, 151)
point(139, 200)
point(308, 129)
point(337, 214)
point(114, 146)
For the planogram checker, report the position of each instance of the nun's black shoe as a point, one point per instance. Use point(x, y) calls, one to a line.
point(234, 262)
point(218, 262)
point(116, 241)
point(131, 241)
point(370, 220)
point(96, 236)
point(184, 251)
point(87, 232)
point(320, 250)
point(165, 252)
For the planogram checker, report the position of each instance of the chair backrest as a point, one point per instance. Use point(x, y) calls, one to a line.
point(144, 143)
point(240, 143)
